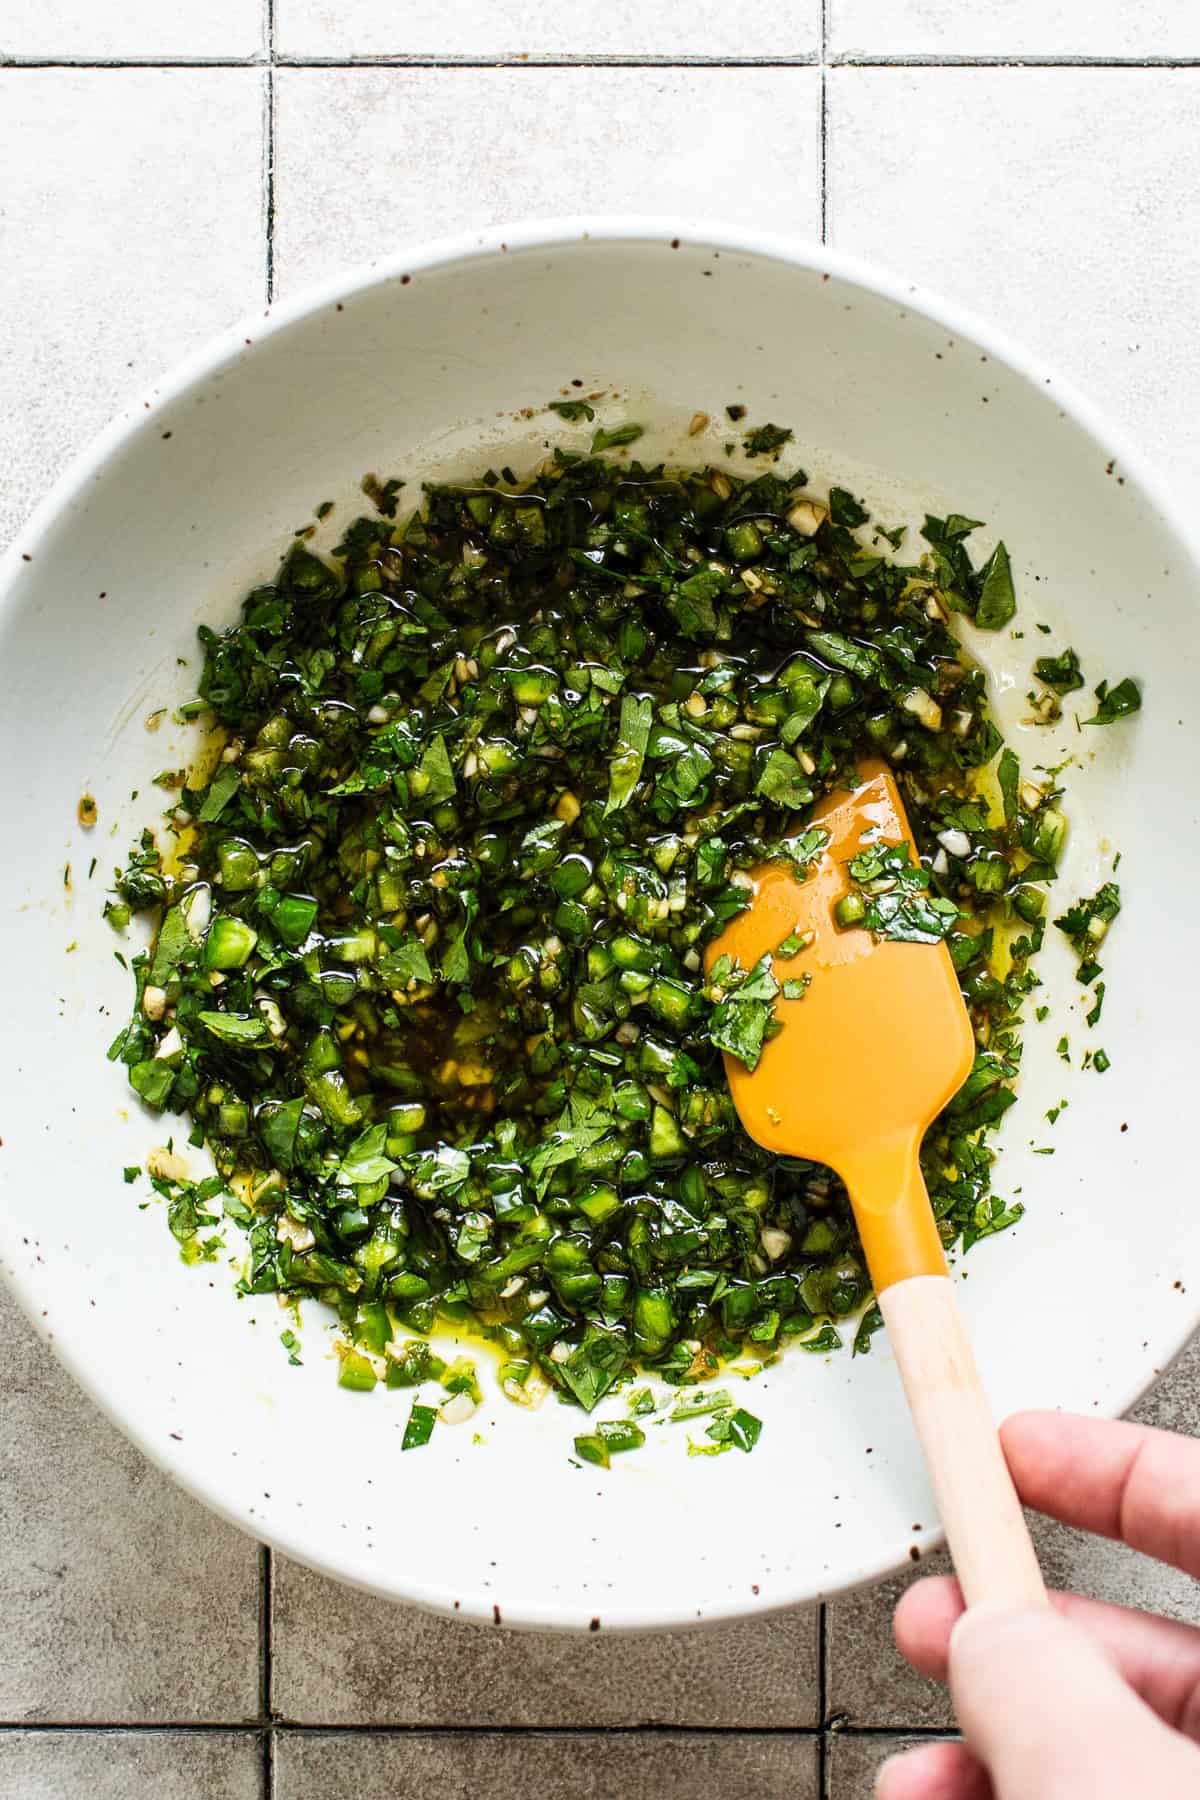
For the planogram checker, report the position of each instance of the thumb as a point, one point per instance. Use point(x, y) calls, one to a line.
point(1047, 1714)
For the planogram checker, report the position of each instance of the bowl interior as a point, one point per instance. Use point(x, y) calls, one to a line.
point(1078, 1306)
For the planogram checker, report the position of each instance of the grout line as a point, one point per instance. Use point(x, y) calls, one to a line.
point(824, 134)
point(307, 1728)
point(893, 1731)
point(269, 199)
point(823, 1700)
point(267, 1669)
point(267, 1672)
point(850, 59)
point(260, 59)
point(832, 1727)
point(513, 60)
point(255, 61)
point(856, 59)
point(253, 1728)
point(133, 1727)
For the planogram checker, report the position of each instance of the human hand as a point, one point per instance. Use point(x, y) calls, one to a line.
point(1083, 1701)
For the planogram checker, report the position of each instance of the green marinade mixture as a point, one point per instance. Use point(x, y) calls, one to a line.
point(426, 974)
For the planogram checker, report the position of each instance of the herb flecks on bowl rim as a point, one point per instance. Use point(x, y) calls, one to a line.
point(426, 968)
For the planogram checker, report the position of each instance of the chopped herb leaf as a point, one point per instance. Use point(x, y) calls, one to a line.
point(893, 900)
point(1086, 926)
point(1116, 703)
point(745, 1011)
point(997, 602)
point(574, 411)
point(1062, 673)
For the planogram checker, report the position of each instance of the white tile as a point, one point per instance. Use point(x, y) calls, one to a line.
point(131, 29)
point(370, 159)
point(1061, 204)
point(676, 29)
point(131, 225)
point(1155, 28)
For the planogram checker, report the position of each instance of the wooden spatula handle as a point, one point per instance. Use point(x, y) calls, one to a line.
point(985, 1527)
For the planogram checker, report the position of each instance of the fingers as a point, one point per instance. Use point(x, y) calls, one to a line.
point(1046, 1713)
point(934, 1772)
point(1122, 1481)
point(925, 1617)
point(1159, 1658)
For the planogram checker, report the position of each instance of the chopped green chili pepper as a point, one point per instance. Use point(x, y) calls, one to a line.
point(610, 1438)
point(604, 439)
point(419, 1430)
point(357, 1373)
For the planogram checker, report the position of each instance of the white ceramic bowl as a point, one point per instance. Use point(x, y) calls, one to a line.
point(184, 503)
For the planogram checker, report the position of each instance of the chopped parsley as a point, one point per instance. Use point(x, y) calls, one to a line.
point(743, 1012)
point(891, 898)
point(765, 438)
point(1085, 925)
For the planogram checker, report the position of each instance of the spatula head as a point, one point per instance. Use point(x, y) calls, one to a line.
point(881, 1039)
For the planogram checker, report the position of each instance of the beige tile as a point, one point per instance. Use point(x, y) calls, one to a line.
point(1159, 28)
point(1062, 204)
point(853, 1763)
point(869, 1683)
point(137, 29)
point(1173, 1403)
point(124, 1765)
point(123, 1600)
point(457, 1766)
point(131, 208)
point(676, 29)
point(1109, 1571)
point(343, 1658)
point(370, 159)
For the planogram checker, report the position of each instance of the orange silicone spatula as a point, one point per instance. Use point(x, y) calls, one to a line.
point(864, 1063)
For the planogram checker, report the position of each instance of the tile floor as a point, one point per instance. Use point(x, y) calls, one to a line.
point(164, 169)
